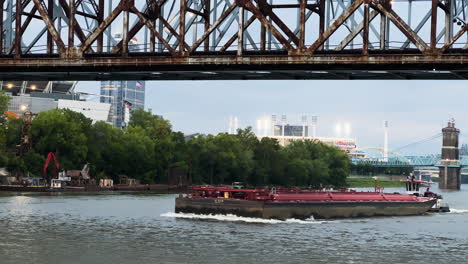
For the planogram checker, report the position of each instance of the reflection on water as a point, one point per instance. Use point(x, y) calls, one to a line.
point(142, 228)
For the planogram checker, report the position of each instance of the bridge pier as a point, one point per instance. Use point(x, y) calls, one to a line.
point(449, 166)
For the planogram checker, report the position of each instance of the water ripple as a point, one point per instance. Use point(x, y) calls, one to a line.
point(143, 229)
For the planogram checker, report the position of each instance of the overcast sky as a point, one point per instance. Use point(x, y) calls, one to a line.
point(415, 109)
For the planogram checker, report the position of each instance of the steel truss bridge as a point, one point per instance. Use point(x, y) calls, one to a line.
point(394, 159)
point(233, 39)
point(408, 161)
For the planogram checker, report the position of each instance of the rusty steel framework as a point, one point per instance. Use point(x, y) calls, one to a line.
point(233, 39)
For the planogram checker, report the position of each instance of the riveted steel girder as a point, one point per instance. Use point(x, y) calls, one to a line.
point(49, 35)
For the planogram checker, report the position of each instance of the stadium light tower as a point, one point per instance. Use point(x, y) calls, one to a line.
point(273, 123)
point(236, 124)
point(385, 148)
point(265, 126)
point(304, 124)
point(259, 127)
point(338, 129)
point(283, 123)
point(347, 129)
point(314, 126)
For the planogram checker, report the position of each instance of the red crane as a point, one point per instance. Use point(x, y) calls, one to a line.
point(46, 164)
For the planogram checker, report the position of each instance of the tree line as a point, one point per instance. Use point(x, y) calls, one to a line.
point(371, 170)
point(148, 148)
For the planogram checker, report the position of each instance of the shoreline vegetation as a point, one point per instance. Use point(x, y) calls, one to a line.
point(369, 182)
point(148, 150)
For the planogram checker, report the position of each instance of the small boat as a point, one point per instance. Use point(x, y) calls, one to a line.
point(301, 204)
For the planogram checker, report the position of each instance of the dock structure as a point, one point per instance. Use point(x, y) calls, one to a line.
point(449, 165)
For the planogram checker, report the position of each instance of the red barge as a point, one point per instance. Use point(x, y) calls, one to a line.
point(301, 204)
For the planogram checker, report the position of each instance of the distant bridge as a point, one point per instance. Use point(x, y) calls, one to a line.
point(407, 161)
point(233, 39)
point(397, 160)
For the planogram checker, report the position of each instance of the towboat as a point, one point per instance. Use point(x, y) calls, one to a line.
point(301, 204)
point(422, 188)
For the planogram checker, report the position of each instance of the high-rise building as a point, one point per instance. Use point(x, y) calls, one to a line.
point(121, 94)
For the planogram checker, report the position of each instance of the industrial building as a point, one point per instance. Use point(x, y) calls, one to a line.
point(122, 95)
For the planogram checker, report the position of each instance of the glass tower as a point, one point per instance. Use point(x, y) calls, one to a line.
point(120, 93)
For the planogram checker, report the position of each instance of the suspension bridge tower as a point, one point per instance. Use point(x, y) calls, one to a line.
point(449, 166)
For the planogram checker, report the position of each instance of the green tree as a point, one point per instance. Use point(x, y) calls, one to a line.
point(63, 132)
point(138, 154)
point(160, 132)
point(148, 148)
point(34, 163)
point(4, 101)
point(105, 150)
point(269, 163)
point(324, 165)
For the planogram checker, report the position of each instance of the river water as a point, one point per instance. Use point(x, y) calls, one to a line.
point(141, 228)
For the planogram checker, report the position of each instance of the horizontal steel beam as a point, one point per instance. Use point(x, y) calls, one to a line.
point(230, 38)
point(229, 66)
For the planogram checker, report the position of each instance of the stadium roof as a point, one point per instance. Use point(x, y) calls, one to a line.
point(15, 87)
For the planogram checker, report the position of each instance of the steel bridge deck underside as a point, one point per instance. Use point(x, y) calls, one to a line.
point(233, 39)
point(229, 66)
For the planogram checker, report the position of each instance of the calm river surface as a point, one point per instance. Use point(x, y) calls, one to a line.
point(141, 228)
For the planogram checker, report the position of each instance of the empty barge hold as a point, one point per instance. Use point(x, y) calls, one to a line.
point(299, 204)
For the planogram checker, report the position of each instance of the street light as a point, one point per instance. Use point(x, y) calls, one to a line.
point(33, 87)
point(9, 85)
point(23, 108)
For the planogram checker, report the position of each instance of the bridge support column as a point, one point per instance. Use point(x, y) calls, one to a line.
point(18, 33)
point(434, 24)
point(365, 35)
point(449, 166)
point(240, 32)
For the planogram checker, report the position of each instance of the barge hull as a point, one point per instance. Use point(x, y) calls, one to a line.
point(20, 188)
point(328, 210)
point(300, 210)
point(220, 206)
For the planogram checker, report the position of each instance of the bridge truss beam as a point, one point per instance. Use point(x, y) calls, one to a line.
point(233, 39)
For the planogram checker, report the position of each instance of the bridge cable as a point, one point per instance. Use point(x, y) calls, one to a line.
point(418, 142)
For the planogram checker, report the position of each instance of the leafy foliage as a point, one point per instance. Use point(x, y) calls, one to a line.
point(4, 100)
point(370, 170)
point(148, 148)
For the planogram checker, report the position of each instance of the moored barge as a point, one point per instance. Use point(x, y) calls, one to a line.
point(300, 204)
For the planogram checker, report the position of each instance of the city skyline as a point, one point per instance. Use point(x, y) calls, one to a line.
point(415, 109)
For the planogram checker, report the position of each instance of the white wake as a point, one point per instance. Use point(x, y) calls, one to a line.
point(458, 211)
point(235, 218)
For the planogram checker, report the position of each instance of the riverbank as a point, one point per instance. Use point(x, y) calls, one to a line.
point(153, 188)
point(370, 182)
